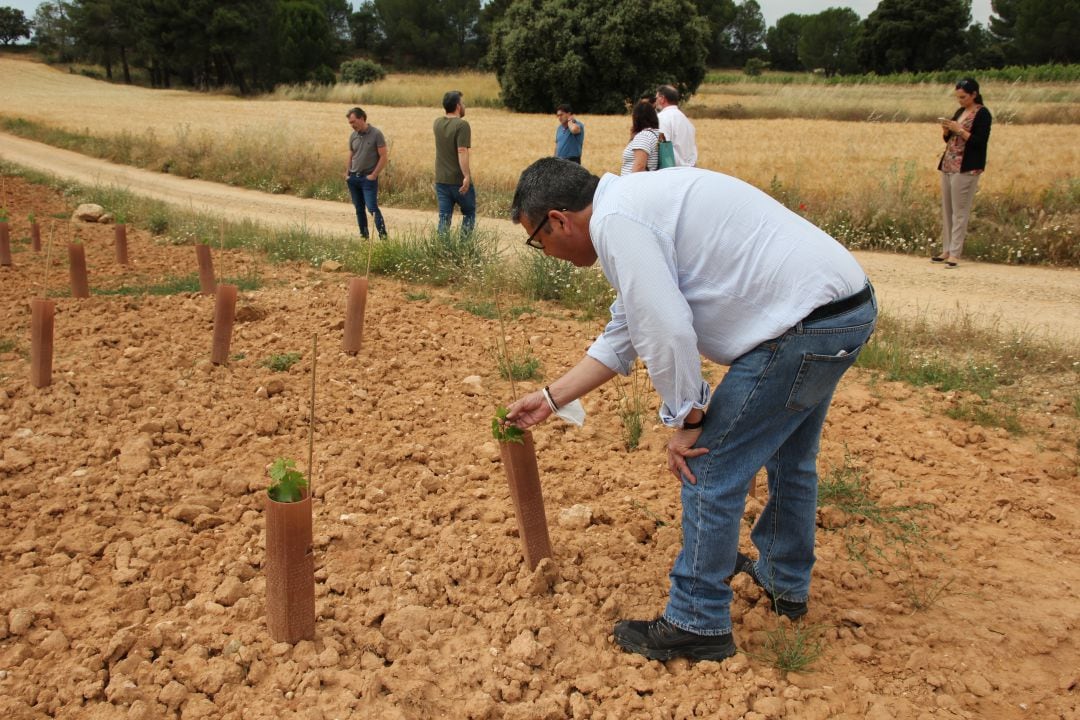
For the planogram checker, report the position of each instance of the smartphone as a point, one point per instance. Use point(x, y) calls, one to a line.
point(941, 120)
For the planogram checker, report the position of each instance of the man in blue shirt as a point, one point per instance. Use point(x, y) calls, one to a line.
point(569, 136)
point(704, 264)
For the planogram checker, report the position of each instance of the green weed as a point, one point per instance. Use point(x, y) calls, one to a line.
point(632, 407)
point(519, 367)
point(982, 413)
point(417, 296)
point(280, 362)
point(449, 259)
point(845, 487)
point(882, 535)
point(791, 648)
point(482, 309)
point(542, 277)
point(649, 513)
point(920, 595)
point(7, 345)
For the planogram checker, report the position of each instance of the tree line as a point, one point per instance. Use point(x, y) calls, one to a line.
point(252, 45)
point(598, 52)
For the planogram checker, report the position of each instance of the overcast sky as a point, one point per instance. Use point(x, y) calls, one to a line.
point(771, 9)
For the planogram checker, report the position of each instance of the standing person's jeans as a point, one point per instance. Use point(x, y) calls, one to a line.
point(449, 195)
point(768, 411)
point(957, 197)
point(365, 193)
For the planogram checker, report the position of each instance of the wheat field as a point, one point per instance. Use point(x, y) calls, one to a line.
point(1011, 102)
point(822, 161)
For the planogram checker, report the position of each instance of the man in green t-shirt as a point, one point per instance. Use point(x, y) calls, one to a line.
point(453, 179)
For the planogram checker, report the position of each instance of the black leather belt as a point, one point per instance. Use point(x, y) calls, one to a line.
point(362, 174)
point(837, 307)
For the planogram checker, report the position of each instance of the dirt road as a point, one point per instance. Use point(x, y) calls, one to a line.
point(1043, 302)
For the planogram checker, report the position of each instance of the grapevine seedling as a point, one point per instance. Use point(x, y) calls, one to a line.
point(503, 432)
point(289, 483)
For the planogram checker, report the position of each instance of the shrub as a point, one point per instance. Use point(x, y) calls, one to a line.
point(158, 222)
point(361, 71)
point(324, 75)
point(596, 54)
point(754, 67)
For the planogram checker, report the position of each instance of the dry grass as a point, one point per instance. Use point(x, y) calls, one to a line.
point(401, 89)
point(297, 146)
point(1011, 102)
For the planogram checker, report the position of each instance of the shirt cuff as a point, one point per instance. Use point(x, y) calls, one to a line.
point(603, 352)
point(676, 419)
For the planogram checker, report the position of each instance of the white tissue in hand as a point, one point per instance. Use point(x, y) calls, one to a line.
point(572, 412)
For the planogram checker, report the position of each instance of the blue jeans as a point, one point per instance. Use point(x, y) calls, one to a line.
point(449, 195)
point(768, 412)
point(365, 194)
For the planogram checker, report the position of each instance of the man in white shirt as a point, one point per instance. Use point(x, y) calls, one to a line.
point(676, 127)
point(706, 265)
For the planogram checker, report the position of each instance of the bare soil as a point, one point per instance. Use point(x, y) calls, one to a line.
point(131, 494)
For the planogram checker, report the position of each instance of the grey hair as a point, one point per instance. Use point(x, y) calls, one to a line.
point(552, 184)
point(670, 93)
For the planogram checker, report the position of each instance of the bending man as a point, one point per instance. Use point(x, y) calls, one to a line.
point(706, 265)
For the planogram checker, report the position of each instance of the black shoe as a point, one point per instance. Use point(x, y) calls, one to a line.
point(660, 640)
point(788, 608)
point(937, 258)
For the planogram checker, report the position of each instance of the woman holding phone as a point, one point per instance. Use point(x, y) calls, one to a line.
point(961, 166)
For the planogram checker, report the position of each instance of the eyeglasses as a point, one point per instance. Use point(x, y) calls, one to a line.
point(533, 241)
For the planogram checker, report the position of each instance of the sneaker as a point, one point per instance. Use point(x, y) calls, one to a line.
point(788, 608)
point(660, 640)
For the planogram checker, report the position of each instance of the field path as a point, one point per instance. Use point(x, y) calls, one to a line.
point(1044, 302)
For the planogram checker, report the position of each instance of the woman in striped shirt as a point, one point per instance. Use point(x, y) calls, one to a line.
point(643, 150)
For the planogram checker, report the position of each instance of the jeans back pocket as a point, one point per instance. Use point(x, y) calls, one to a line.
point(817, 378)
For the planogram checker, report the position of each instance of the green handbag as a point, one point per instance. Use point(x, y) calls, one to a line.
point(667, 153)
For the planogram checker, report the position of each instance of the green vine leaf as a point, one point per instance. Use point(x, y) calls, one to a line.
point(289, 483)
point(503, 432)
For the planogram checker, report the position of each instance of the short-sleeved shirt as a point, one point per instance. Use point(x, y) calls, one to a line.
point(647, 140)
point(679, 131)
point(451, 133)
point(365, 149)
point(567, 144)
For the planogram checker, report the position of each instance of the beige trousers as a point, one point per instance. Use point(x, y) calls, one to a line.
point(957, 197)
